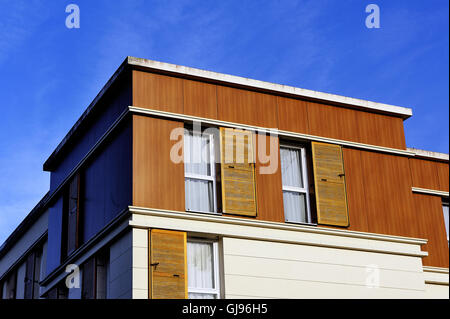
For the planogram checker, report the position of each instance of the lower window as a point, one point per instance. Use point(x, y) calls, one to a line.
point(203, 269)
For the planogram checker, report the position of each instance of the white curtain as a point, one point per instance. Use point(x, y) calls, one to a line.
point(445, 209)
point(200, 265)
point(199, 195)
point(197, 154)
point(294, 207)
point(291, 171)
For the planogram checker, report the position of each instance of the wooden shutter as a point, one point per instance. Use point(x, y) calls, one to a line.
point(237, 173)
point(168, 265)
point(329, 180)
point(72, 217)
point(29, 276)
point(89, 279)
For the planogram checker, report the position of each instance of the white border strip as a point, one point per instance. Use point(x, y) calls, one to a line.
point(429, 154)
point(226, 78)
point(429, 191)
point(169, 115)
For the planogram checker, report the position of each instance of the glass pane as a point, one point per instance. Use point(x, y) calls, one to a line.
point(195, 295)
point(291, 170)
point(294, 207)
point(199, 195)
point(445, 209)
point(200, 265)
point(197, 154)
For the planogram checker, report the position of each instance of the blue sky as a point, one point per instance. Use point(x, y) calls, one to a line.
point(49, 74)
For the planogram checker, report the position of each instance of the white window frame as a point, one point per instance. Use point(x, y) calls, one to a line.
point(211, 178)
point(215, 254)
point(299, 190)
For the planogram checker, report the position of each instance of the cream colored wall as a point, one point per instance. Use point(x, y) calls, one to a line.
point(262, 269)
point(275, 260)
point(436, 282)
point(140, 263)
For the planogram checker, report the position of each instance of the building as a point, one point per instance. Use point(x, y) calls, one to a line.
point(320, 197)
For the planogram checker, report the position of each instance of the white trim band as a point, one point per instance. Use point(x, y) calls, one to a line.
point(429, 191)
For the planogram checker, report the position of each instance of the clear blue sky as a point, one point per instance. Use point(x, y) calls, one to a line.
point(49, 74)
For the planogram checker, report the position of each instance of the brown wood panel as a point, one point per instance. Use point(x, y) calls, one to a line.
point(443, 174)
point(269, 191)
point(333, 122)
point(247, 107)
point(200, 99)
point(430, 220)
point(424, 173)
point(387, 186)
point(357, 206)
point(167, 264)
point(292, 115)
point(158, 92)
point(379, 129)
point(157, 181)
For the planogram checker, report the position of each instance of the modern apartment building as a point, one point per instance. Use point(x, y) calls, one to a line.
point(183, 183)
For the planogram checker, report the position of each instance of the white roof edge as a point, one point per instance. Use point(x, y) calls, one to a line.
point(429, 154)
point(168, 67)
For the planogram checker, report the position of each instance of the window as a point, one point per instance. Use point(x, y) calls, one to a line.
point(203, 270)
point(94, 277)
point(10, 286)
point(32, 275)
point(60, 291)
point(445, 210)
point(295, 184)
point(199, 172)
point(71, 208)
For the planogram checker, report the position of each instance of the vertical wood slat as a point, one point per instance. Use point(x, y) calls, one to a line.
point(158, 92)
point(329, 182)
point(238, 174)
point(158, 182)
point(269, 186)
point(430, 221)
point(167, 264)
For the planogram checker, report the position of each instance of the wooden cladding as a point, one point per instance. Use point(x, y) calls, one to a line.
point(429, 174)
point(379, 193)
point(329, 181)
point(167, 265)
point(158, 182)
point(238, 172)
point(430, 220)
point(178, 95)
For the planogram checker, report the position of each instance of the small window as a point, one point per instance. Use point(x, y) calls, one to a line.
point(32, 275)
point(94, 277)
point(203, 269)
point(295, 184)
point(199, 172)
point(71, 214)
point(445, 211)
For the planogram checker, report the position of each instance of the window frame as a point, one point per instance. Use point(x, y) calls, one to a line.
point(212, 178)
point(215, 256)
point(298, 190)
point(445, 202)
